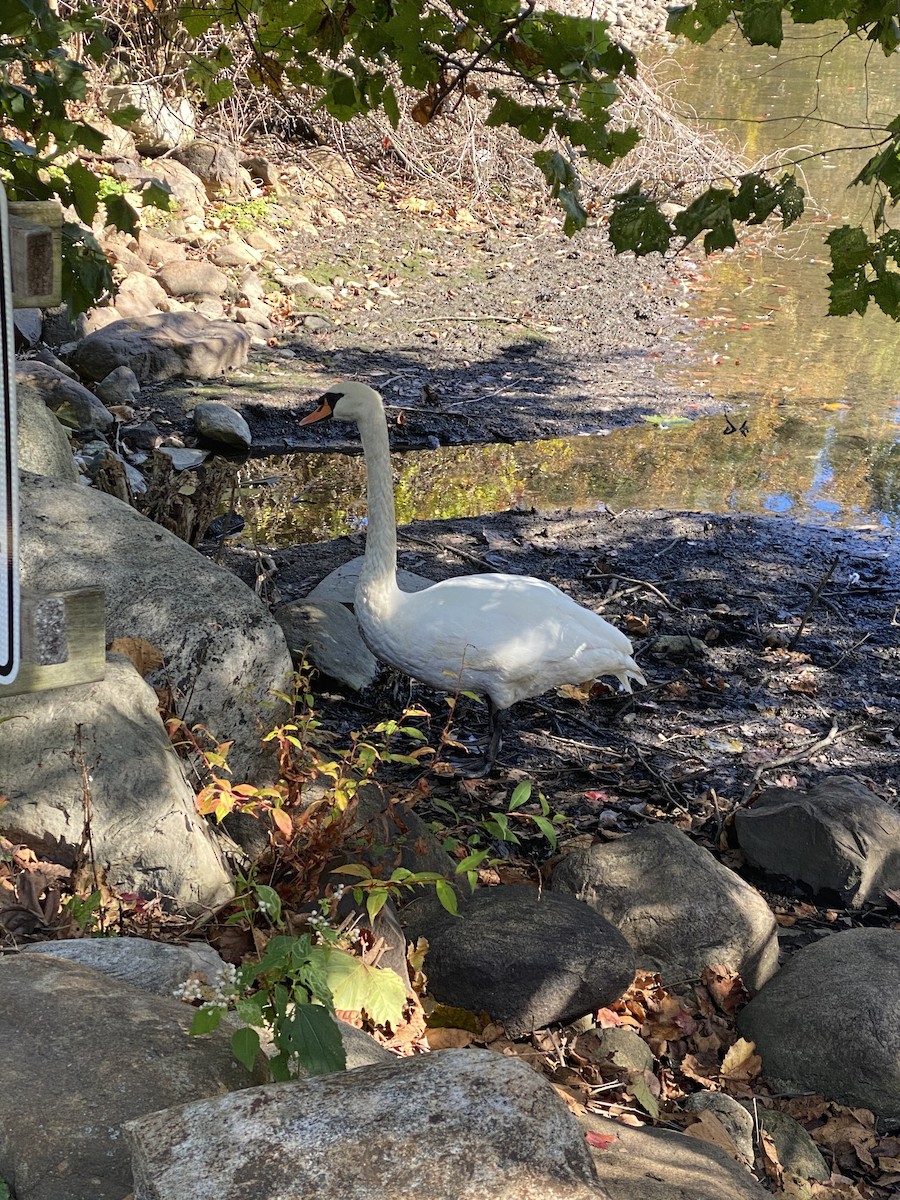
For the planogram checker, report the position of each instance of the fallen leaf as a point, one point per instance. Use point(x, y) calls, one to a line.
point(708, 1128)
point(145, 656)
point(741, 1061)
point(448, 1039)
point(602, 1141)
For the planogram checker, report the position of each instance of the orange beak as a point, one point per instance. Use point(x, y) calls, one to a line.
point(322, 413)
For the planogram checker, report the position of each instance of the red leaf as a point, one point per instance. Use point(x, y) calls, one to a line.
point(602, 1141)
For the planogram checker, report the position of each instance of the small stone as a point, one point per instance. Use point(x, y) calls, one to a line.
point(118, 387)
point(191, 278)
point(27, 326)
point(235, 254)
point(219, 423)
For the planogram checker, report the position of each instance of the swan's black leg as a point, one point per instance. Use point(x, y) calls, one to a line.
point(478, 768)
point(495, 730)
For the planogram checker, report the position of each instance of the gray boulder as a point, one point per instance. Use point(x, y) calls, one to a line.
point(453, 1125)
point(162, 968)
point(41, 441)
point(90, 1054)
point(140, 296)
point(731, 1114)
point(836, 838)
point(340, 584)
point(120, 386)
point(157, 967)
point(829, 1021)
point(145, 833)
point(796, 1150)
point(221, 423)
point(223, 654)
point(657, 1164)
point(163, 124)
point(326, 633)
point(164, 346)
point(64, 395)
point(527, 959)
point(191, 278)
point(215, 165)
point(679, 908)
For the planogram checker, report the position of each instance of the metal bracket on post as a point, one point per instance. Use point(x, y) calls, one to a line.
point(48, 640)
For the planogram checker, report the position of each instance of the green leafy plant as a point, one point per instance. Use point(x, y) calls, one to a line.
point(292, 992)
point(85, 911)
point(502, 825)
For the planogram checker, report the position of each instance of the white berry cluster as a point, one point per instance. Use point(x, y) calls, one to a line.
point(212, 995)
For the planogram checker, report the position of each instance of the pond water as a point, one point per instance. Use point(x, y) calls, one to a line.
point(819, 394)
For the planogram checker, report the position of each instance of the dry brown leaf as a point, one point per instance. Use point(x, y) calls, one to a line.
point(771, 1161)
point(145, 656)
point(708, 1128)
point(741, 1061)
point(600, 1141)
point(726, 988)
point(449, 1039)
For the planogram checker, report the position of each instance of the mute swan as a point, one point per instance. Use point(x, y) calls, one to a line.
point(506, 637)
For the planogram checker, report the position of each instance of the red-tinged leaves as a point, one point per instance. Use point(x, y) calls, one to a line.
point(600, 1141)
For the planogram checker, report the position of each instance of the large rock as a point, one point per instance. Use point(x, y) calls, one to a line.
point(163, 124)
point(658, 1164)
point(84, 1054)
point(42, 443)
point(157, 967)
point(145, 833)
point(829, 1021)
point(191, 278)
point(140, 296)
point(64, 395)
point(837, 838)
point(215, 164)
point(187, 196)
point(526, 959)
point(326, 633)
point(164, 346)
point(453, 1125)
point(679, 908)
point(223, 654)
point(162, 968)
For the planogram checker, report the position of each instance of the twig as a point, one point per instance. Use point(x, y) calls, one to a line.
point(797, 756)
point(812, 601)
point(641, 583)
point(463, 554)
point(468, 320)
point(856, 645)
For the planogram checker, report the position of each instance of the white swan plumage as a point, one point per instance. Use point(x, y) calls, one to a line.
point(506, 637)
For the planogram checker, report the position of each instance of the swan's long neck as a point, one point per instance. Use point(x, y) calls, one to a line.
point(378, 577)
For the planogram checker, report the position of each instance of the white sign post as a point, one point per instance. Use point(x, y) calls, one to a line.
point(9, 475)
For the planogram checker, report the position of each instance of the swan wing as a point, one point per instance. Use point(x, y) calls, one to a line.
point(508, 636)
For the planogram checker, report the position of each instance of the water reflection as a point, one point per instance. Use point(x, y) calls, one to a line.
point(781, 466)
point(763, 328)
point(819, 393)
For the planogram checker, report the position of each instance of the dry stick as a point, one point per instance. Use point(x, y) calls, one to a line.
point(463, 554)
point(641, 583)
point(87, 837)
point(856, 645)
point(812, 601)
point(797, 756)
